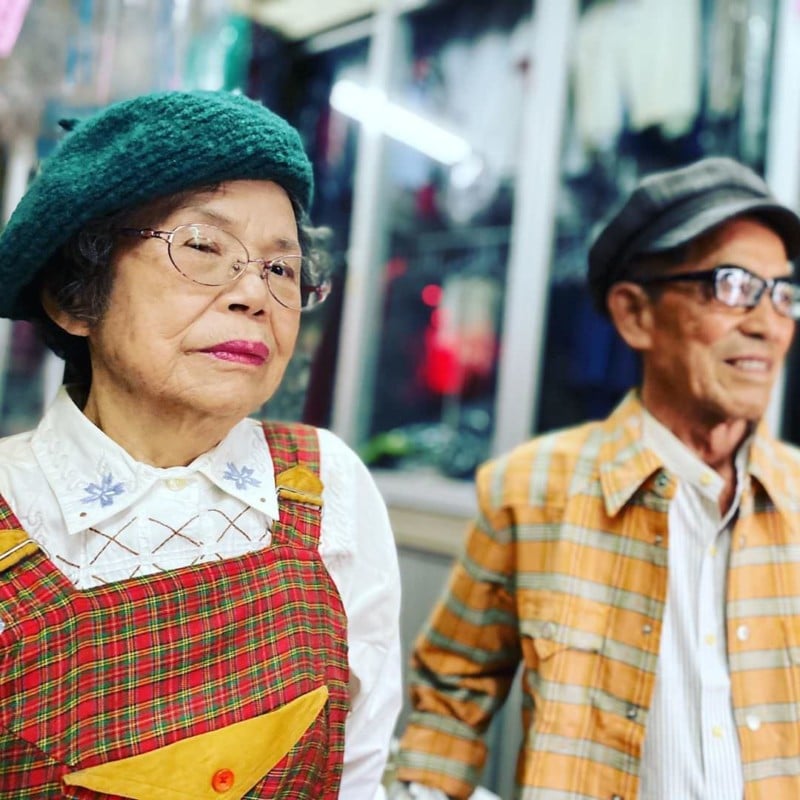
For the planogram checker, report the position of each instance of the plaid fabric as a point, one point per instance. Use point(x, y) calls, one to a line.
point(565, 570)
point(92, 676)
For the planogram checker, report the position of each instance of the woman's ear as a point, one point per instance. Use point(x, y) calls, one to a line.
point(631, 311)
point(64, 320)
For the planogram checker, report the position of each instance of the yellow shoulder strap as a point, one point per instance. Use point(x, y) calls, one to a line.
point(301, 484)
point(14, 546)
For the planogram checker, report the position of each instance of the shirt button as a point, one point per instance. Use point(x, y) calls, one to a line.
point(706, 478)
point(662, 481)
point(616, 797)
point(743, 633)
point(2, 626)
point(753, 722)
point(631, 712)
point(176, 484)
point(222, 780)
point(647, 628)
point(716, 731)
point(548, 630)
point(658, 539)
point(710, 639)
point(712, 551)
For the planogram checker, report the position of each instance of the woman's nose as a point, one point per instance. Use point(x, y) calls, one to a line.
point(250, 291)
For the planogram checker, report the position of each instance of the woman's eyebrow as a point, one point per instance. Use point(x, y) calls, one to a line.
point(209, 214)
point(286, 244)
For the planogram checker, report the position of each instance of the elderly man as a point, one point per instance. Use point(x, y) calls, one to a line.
point(645, 569)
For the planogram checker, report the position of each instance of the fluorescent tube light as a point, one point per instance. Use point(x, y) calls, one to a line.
point(375, 111)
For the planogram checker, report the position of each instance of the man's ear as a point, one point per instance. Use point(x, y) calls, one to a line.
point(64, 320)
point(631, 311)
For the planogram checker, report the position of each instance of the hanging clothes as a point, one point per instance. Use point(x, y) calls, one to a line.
point(637, 64)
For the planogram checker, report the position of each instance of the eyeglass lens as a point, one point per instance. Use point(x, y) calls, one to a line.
point(738, 287)
point(211, 256)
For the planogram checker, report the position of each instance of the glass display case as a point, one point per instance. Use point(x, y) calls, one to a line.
point(439, 274)
point(442, 113)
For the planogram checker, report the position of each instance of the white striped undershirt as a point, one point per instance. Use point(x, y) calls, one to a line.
point(691, 748)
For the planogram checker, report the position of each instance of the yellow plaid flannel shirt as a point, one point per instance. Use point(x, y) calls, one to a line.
point(565, 570)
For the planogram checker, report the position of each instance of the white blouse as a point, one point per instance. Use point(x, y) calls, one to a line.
point(101, 517)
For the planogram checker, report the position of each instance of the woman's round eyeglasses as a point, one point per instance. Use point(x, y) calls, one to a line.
point(210, 256)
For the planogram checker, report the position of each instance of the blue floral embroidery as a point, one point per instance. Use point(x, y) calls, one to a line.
point(242, 477)
point(105, 492)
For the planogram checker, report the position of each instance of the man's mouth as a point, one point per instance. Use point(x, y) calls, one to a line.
point(753, 365)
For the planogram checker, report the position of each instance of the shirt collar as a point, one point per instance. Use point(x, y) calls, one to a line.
point(625, 463)
point(93, 478)
point(774, 465)
point(680, 460)
point(683, 462)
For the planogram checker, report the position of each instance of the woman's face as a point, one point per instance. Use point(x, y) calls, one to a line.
point(168, 346)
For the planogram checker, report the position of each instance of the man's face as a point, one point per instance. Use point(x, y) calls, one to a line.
point(706, 363)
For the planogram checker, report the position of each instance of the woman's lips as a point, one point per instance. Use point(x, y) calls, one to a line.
point(239, 351)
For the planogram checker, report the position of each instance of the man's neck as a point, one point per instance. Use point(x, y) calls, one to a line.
point(714, 443)
point(714, 440)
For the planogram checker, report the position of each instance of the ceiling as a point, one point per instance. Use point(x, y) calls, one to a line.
point(299, 19)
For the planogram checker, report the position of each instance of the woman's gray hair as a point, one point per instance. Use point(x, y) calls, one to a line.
point(80, 276)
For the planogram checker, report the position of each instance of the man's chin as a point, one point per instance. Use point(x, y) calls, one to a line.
point(747, 410)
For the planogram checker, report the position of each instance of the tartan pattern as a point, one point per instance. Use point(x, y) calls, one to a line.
point(565, 570)
point(92, 676)
point(7, 518)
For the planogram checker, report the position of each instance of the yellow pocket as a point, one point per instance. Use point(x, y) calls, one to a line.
point(220, 765)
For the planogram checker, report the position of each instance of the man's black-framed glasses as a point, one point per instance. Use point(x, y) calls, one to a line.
point(738, 287)
point(211, 256)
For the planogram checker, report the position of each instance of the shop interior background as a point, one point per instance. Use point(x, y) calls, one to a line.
point(464, 154)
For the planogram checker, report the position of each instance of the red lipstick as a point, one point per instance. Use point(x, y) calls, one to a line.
point(240, 351)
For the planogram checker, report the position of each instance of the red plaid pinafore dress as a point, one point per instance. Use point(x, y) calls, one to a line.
point(143, 667)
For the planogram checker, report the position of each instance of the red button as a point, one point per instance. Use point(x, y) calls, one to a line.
point(222, 780)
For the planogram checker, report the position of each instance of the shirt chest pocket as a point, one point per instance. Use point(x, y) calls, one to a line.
point(562, 639)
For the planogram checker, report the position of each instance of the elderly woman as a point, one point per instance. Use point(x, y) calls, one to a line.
point(193, 604)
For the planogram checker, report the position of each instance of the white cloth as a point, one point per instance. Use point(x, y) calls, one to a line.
point(691, 747)
point(662, 65)
point(103, 517)
point(636, 64)
point(599, 102)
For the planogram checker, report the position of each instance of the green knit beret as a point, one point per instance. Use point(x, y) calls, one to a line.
point(138, 150)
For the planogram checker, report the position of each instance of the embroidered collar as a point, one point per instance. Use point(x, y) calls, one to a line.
point(93, 478)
